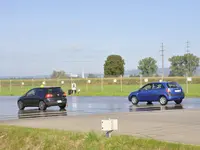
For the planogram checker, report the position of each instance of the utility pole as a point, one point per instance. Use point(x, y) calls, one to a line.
point(162, 54)
point(188, 69)
point(187, 47)
point(188, 51)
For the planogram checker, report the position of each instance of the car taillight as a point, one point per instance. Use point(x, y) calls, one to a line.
point(64, 94)
point(49, 96)
point(168, 90)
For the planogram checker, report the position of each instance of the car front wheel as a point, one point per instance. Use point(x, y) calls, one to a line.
point(20, 105)
point(178, 101)
point(134, 100)
point(163, 100)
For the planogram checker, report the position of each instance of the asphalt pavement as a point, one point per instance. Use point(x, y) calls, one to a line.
point(87, 105)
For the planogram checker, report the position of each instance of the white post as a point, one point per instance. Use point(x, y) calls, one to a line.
point(187, 86)
point(102, 84)
point(10, 86)
point(140, 80)
point(32, 83)
point(108, 133)
point(86, 84)
point(121, 83)
point(0, 86)
point(187, 83)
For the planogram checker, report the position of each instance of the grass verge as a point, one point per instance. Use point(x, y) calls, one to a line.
point(12, 138)
point(97, 90)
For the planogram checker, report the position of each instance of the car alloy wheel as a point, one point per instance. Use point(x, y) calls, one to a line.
point(163, 100)
point(134, 100)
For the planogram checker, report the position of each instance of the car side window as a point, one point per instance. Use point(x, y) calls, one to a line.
point(158, 86)
point(31, 93)
point(40, 92)
point(147, 87)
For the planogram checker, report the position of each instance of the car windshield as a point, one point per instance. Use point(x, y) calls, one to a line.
point(55, 90)
point(173, 85)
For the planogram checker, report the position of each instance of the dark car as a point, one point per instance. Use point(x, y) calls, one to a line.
point(43, 97)
point(158, 91)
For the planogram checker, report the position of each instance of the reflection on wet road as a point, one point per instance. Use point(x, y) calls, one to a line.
point(153, 108)
point(33, 113)
point(88, 105)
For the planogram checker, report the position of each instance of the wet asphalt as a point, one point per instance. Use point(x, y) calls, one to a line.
point(87, 105)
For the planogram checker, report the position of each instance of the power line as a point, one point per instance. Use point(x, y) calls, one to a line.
point(162, 54)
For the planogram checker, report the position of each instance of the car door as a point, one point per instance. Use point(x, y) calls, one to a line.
point(144, 93)
point(31, 98)
point(157, 90)
point(40, 93)
point(26, 99)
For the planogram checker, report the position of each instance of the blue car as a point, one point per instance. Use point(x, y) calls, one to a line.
point(158, 92)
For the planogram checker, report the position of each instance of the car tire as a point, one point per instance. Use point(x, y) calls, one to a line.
point(42, 106)
point(134, 100)
point(163, 100)
point(63, 106)
point(149, 103)
point(20, 105)
point(178, 101)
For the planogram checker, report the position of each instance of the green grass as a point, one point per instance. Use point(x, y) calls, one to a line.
point(14, 138)
point(97, 90)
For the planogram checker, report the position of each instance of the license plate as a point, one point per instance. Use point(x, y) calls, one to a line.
point(177, 90)
point(59, 101)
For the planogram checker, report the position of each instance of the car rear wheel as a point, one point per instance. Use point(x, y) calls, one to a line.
point(42, 106)
point(20, 105)
point(178, 101)
point(134, 100)
point(163, 100)
point(63, 106)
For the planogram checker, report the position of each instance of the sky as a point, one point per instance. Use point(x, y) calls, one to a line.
point(39, 36)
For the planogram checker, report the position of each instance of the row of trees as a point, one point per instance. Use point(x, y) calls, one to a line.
point(183, 65)
point(180, 65)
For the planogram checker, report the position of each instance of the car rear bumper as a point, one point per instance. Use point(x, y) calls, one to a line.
point(173, 98)
point(56, 102)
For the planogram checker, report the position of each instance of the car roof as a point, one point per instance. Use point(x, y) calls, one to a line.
point(47, 87)
point(163, 82)
point(51, 87)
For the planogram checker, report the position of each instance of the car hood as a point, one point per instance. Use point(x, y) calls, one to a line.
point(134, 92)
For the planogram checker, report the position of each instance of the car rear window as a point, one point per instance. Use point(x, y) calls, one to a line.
point(54, 90)
point(173, 85)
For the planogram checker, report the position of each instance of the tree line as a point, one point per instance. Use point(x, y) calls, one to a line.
point(180, 65)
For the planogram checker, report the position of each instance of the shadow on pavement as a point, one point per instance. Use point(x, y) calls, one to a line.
point(34, 113)
point(133, 108)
